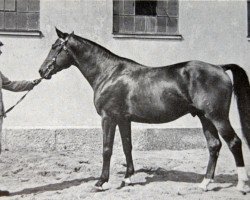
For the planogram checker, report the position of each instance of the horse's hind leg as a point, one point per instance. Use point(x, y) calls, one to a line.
point(125, 131)
point(234, 143)
point(214, 146)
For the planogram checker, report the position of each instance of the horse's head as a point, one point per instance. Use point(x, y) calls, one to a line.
point(60, 56)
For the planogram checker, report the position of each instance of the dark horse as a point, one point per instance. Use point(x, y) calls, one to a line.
point(126, 91)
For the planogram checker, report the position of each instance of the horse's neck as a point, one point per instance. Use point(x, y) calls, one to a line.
point(95, 65)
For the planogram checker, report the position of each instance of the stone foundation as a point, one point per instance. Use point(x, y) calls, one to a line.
point(73, 139)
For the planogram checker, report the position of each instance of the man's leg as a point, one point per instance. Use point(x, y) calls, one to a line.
point(1, 134)
point(3, 192)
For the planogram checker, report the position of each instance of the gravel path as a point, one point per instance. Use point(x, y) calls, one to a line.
point(165, 174)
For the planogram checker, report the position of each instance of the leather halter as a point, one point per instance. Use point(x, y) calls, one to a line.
point(62, 45)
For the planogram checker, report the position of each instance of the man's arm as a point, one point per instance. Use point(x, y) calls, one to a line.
point(16, 86)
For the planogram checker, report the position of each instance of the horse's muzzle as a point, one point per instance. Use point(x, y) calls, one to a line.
point(47, 73)
point(43, 74)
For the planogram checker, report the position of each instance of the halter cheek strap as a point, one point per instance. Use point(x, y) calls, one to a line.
point(63, 47)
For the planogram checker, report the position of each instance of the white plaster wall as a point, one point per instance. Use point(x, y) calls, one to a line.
point(213, 31)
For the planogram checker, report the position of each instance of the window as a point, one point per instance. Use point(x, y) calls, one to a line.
point(145, 18)
point(248, 18)
point(19, 17)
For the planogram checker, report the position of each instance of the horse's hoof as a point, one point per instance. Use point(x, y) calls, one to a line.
point(204, 184)
point(4, 193)
point(203, 187)
point(97, 189)
point(126, 182)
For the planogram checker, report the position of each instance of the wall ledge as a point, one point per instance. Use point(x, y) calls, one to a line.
point(141, 36)
point(21, 33)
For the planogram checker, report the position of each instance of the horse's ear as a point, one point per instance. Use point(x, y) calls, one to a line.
point(72, 34)
point(61, 34)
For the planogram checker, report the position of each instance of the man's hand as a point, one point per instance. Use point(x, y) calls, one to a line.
point(36, 81)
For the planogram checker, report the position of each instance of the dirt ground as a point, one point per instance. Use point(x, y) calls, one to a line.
point(164, 174)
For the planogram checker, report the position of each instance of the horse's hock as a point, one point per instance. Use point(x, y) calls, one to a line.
point(86, 138)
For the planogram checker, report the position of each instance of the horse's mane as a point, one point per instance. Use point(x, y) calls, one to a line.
point(104, 50)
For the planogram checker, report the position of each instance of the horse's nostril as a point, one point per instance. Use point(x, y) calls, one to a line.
point(40, 72)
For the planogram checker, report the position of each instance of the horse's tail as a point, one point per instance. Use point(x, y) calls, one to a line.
point(242, 92)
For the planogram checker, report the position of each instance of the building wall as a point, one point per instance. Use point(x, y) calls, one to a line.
point(213, 31)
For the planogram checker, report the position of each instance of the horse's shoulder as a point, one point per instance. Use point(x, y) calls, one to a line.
point(111, 95)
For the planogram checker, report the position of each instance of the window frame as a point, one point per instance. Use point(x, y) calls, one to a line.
point(248, 19)
point(144, 34)
point(18, 31)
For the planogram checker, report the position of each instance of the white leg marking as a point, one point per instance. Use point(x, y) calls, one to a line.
point(242, 179)
point(242, 174)
point(243, 187)
point(127, 181)
point(204, 184)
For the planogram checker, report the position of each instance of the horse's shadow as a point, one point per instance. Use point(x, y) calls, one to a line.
point(156, 175)
point(162, 175)
point(53, 187)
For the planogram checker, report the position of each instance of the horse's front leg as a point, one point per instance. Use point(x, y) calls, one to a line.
point(125, 131)
point(108, 127)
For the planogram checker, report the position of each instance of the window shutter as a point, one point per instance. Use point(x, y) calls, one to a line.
point(123, 16)
point(19, 15)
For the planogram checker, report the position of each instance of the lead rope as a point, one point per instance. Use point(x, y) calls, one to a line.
point(21, 99)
